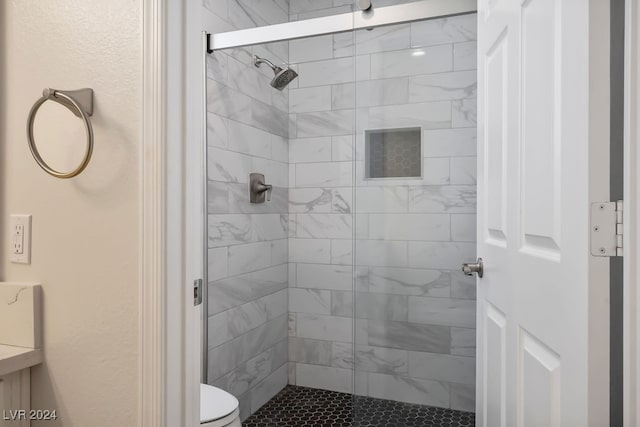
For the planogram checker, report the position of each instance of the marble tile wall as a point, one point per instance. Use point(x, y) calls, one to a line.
point(248, 131)
point(413, 338)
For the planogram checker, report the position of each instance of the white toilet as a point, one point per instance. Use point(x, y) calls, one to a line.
point(218, 408)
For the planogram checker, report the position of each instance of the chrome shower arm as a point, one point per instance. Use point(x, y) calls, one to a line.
point(257, 61)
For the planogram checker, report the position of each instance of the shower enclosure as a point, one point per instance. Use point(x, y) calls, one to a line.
point(348, 279)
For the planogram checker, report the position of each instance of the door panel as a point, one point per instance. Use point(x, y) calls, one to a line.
point(496, 121)
point(540, 121)
point(539, 383)
point(495, 378)
point(542, 314)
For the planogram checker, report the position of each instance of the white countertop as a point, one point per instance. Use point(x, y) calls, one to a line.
point(13, 359)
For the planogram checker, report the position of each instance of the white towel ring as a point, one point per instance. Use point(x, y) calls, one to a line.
point(80, 103)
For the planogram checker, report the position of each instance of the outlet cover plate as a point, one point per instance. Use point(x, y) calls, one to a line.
point(23, 221)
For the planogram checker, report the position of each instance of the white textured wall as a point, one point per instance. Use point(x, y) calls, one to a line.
point(85, 230)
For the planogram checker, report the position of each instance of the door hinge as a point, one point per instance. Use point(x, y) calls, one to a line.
point(197, 292)
point(606, 228)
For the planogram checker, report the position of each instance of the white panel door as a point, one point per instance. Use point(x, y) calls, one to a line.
point(543, 158)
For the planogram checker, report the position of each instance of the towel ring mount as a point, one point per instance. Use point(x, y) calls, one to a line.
point(80, 103)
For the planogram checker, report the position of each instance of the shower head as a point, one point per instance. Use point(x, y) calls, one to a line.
point(282, 76)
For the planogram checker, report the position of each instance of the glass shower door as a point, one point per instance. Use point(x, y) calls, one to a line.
point(281, 305)
point(414, 212)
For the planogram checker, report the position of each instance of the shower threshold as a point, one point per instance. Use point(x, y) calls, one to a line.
point(302, 406)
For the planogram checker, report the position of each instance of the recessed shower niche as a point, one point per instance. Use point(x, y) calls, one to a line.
point(393, 153)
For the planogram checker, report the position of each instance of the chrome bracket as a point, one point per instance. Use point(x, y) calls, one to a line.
point(364, 5)
point(209, 50)
point(606, 229)
point(84, 98)
point(197, 292)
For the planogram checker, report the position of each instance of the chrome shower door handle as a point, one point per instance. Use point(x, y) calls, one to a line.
point(258, 189)
point(473, 267)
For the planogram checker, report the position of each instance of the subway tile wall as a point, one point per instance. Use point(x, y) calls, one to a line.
point(248, 131)
point(414, 334)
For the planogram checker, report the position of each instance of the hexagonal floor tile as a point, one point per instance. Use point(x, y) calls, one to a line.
point(297, 406)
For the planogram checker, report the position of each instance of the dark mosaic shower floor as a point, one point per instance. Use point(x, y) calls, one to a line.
point(302, 406)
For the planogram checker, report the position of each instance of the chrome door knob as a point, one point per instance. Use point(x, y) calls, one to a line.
point(473, 267)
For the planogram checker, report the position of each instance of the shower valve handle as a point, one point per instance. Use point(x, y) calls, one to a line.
point(258, 189)
point(261, 188)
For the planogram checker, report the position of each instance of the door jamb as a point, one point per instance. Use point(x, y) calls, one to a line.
point(169, 324)
point(631, 281)
point(151, 314)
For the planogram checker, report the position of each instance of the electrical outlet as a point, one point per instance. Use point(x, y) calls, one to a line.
point(20, 239)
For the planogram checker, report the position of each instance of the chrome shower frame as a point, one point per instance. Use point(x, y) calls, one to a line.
point(345, 22)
